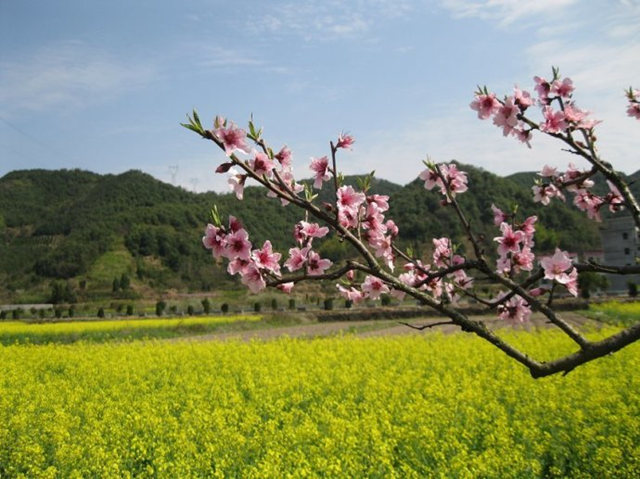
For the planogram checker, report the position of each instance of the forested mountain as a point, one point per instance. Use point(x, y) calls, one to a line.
point(90, 230)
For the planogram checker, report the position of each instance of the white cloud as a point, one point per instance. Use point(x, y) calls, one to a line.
point(214, 56)
point(327, 20)
point(67, 74)
point(506, 12)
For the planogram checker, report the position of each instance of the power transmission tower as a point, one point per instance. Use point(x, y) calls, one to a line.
point(173, 171)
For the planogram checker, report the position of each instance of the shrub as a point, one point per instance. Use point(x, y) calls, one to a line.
point(160, 307)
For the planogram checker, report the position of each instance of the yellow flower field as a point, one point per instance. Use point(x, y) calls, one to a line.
point(415, 406)
point(21, 332)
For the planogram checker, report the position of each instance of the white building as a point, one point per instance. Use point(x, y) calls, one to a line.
point(621, 247)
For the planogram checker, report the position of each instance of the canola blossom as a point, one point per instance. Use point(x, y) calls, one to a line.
point(405, 407)
point(21, 332)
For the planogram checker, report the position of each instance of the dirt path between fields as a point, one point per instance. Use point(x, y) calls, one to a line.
point(380, 328)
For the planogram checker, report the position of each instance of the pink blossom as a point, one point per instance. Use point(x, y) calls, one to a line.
point(213, 239)
point(498, 215)
point(320, 167)
point(234, 224)
point(286, 287)
point(373, 287)
point(510, 240)
point(587, 201)
point(373, 219)
point(462, 280)
point(305, 230)
point(456, 179)
point(232, 138)
point(523, 260)
point(528, 228)
point(409, 278)
point(544, 193)
point(435, 287)
point(348, 218)
point(382, 248)
point(542, 88)
point(297, 258)
point(485, 105)
point(523, 135)
point(633, 110)
point(382, 201)
point(430, 178)
point(252, 277)
point(554, 121)
point(261, 164)
point(503, 264)
point(507, 116)
point(345, 141)
point(236, 182)
point(350, 275)
point(237, 266)
point(574, 114)
point(265, 258)
point(522, 98)
point(219, 122)
point(284, 157)
point(442, 251)
point(392, 229)
point(352, 294)
point(349, 199)
point(562, 88)
point(614, 198)
point(237, 245)
point(548, 172)
point(515, 310)
point(572, 284)
point(316, 265)
point(556, 266)
point(571, 175)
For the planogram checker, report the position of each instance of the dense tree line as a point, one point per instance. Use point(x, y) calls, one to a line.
point(54, 225)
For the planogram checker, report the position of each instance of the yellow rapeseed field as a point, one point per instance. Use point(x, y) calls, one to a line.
point(415, 406)
point(21, 332)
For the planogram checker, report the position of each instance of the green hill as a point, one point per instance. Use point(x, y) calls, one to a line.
point(90, 230)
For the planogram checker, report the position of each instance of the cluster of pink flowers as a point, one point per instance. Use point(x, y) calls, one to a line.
point(514, 310)
point(559, 268)
point(577, 182)
point(233, 243)
point(303, 255)
point(455, 181)
point(515, 245)
point(633, 110)
point(508, 114)
point(357, 210)
point(429, 279)
point(233, 141)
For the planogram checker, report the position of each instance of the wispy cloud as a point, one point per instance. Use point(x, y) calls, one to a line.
point(68, 74)
point(506, 12)
point(328, 20)
point(219, 57)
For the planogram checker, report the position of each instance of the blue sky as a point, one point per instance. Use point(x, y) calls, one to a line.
point(103, 85)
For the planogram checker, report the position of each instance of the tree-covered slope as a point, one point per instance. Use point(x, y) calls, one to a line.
point(83, 227)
